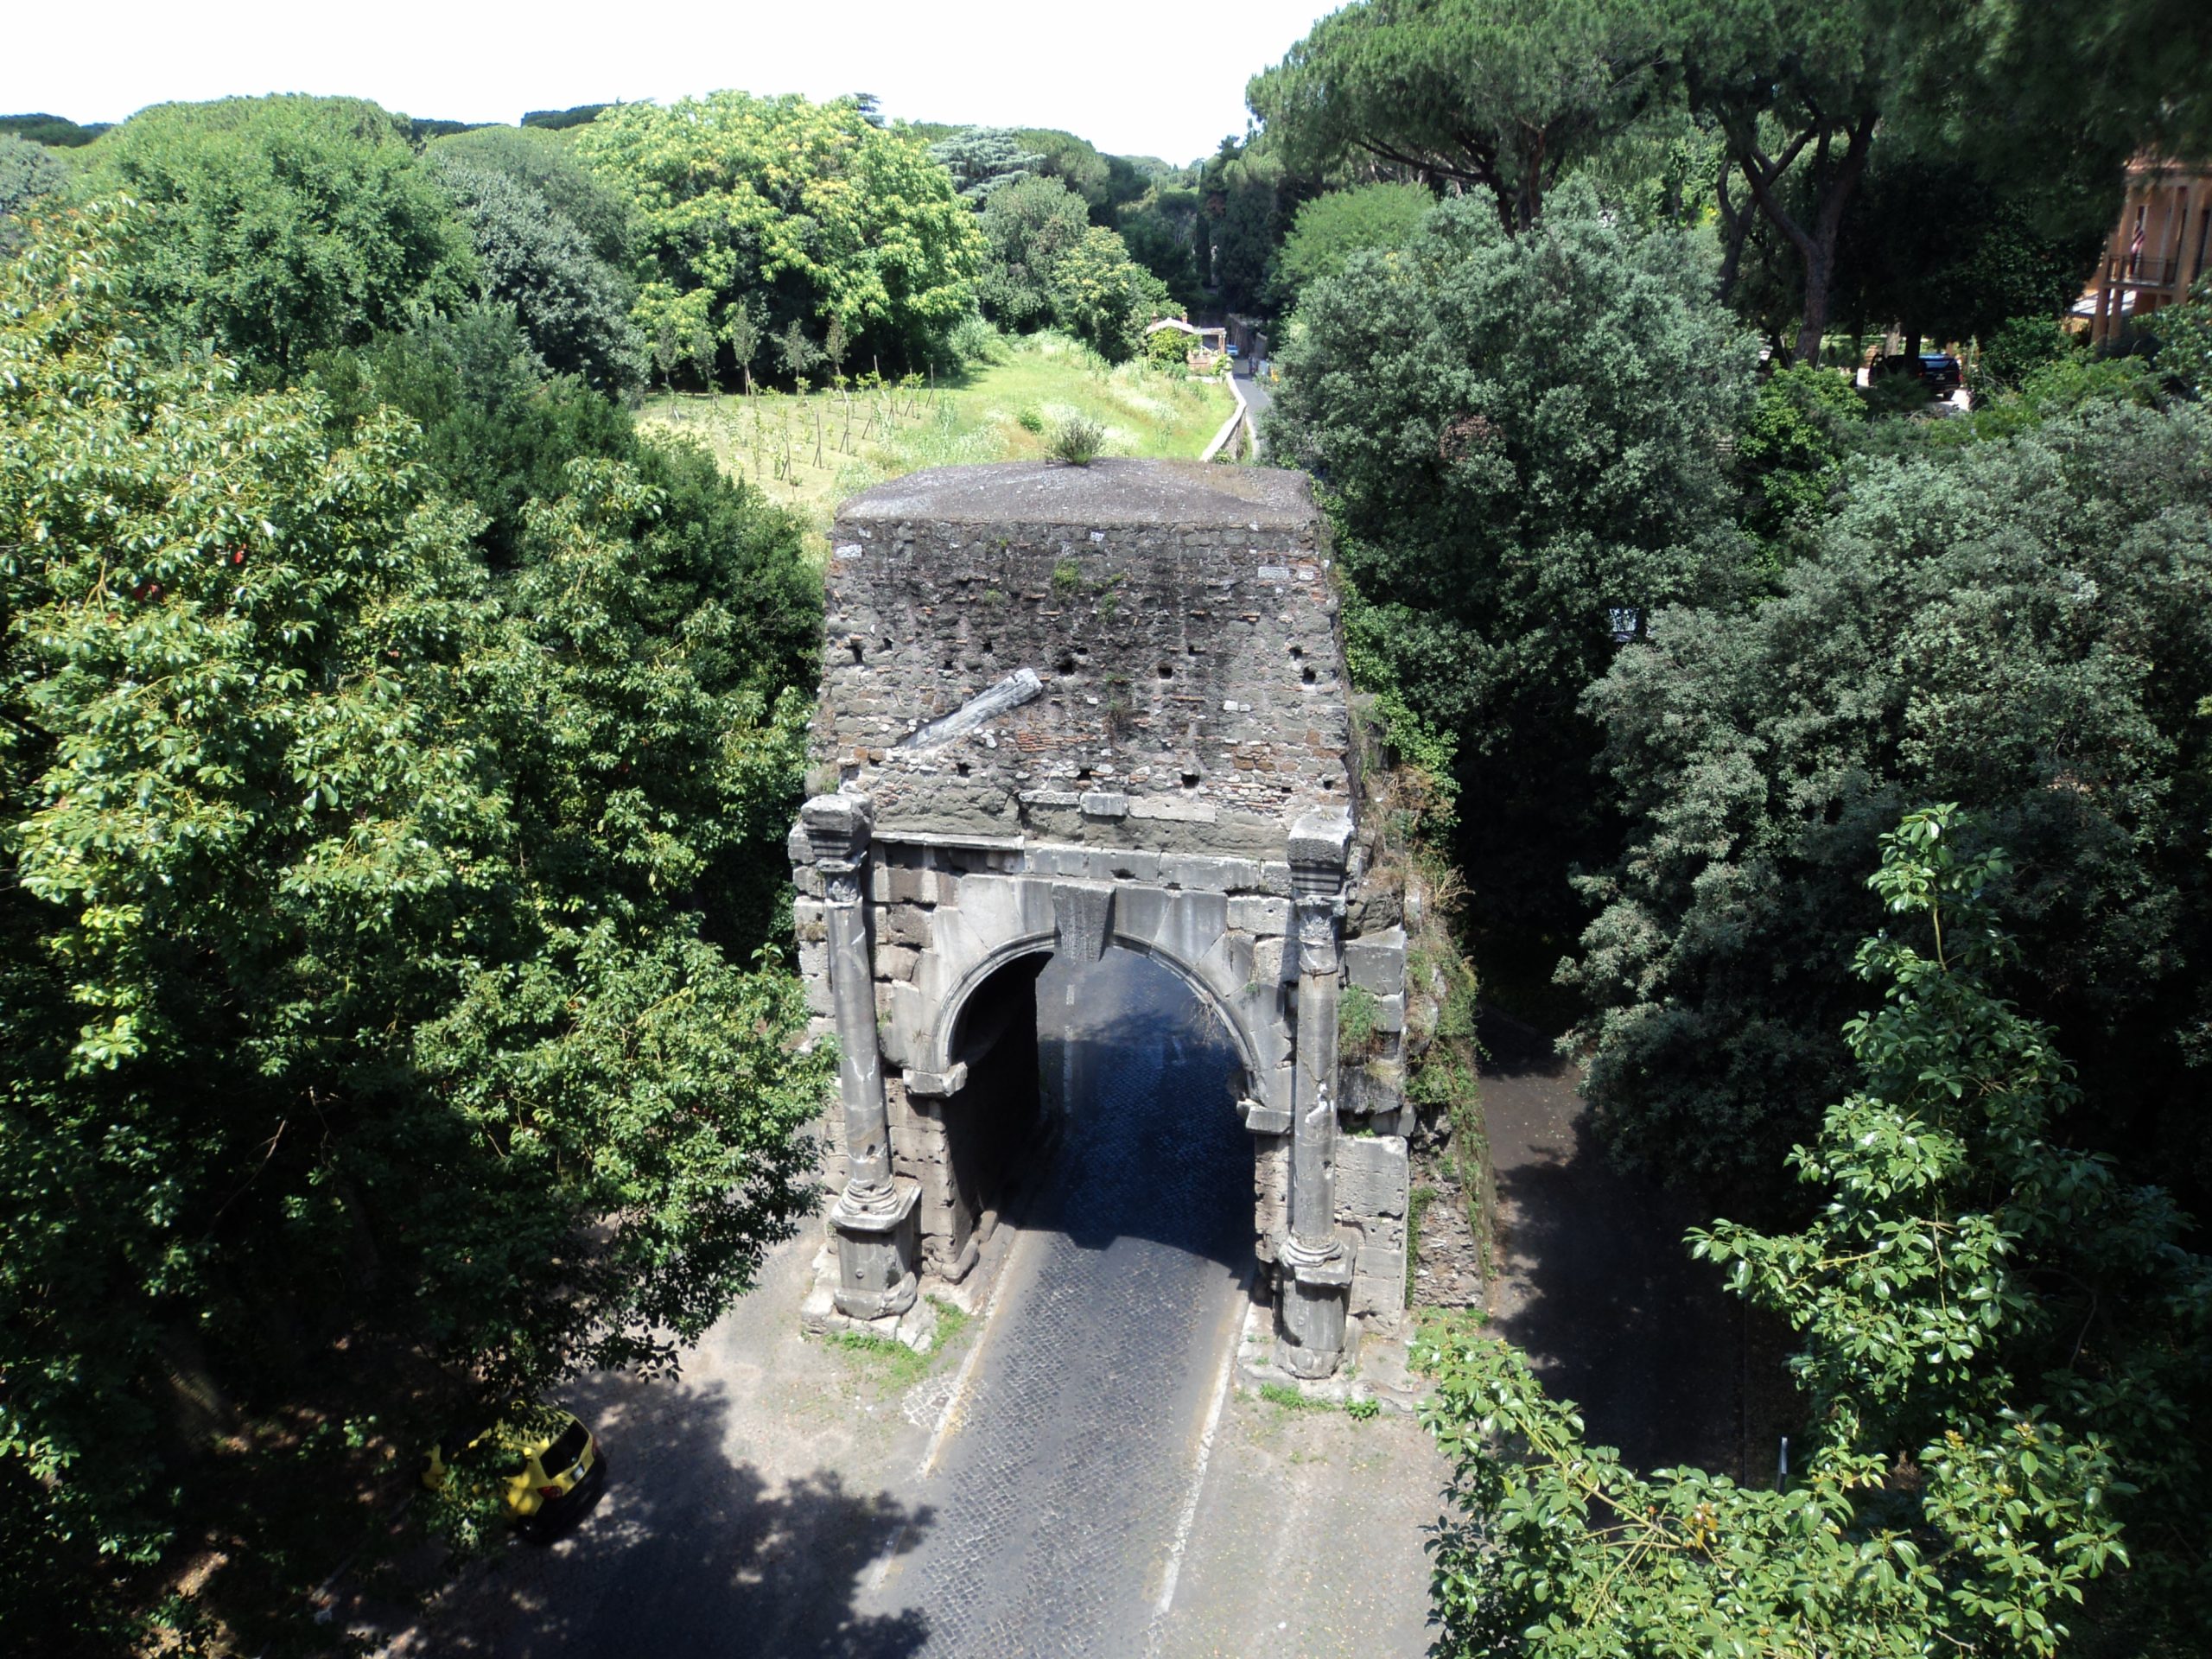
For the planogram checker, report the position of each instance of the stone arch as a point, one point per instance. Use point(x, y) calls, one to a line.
point(1067, 707)
point(945, 1028)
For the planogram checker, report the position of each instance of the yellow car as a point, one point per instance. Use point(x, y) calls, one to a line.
point(541, 1461)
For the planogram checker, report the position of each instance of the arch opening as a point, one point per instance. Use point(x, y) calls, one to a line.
point(1100, 1100)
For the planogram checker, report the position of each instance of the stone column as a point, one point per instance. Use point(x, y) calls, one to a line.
point(1317, 1267)
point(873, 1217)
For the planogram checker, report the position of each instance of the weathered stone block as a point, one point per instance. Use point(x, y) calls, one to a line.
point(1378, 1286)
point(1376, 963)
point(1083, 916)
point(1263, 1119)
point(1251, 914)
point(913, 887)
point(1373, 906)
point(906, 924)
point(1390, 1014)
point(1371, 1175)
point(896, 961)
point(1105, 804)
point(810, 921)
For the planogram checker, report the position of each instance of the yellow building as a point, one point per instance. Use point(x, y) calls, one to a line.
point(2157, 248)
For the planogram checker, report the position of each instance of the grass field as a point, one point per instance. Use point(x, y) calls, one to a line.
point(809, 453)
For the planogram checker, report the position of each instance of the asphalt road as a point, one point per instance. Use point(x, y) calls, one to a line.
point(1259, 395)
point(1060, 1495)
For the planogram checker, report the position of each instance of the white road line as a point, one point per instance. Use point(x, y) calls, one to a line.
point(1190, 1514)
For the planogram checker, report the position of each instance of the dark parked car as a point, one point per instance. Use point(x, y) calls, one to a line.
point(1940, 369)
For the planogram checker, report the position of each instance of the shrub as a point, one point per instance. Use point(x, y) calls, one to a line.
point(1078, 441)
point(973, 339)
point(2016, 347)
point(1030, 418)
point(1169, 348)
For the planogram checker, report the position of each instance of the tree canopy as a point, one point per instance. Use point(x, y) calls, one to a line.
point(28, 172)
point(1498, 96)
point(1048, 263)
point(2001, 1341)
point(2014, 624)
point(1522, 438)
point(374, 948)
point(1331, 228)
point(279, 226)
point(807, 213)
point(573, 306)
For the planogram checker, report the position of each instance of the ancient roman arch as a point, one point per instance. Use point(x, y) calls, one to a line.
point(1066, 708)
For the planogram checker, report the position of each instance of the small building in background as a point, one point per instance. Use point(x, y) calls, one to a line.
point(1207, 346)
point(2157, 248)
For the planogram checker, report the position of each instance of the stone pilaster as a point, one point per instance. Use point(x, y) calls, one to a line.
point(873, 1217)
point(1317, 1267)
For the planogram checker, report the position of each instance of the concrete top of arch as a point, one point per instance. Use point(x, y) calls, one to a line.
point(1112, 492)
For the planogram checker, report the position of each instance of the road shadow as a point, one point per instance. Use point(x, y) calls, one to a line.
point(690, 1551)
point(1596, 1285)
point(1145, 1141)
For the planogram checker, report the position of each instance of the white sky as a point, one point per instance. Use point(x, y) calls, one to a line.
point(1109, 72)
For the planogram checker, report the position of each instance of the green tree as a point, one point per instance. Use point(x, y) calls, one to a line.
point(984, 160)
point(1522, 437)
point(545, 164)
point(1495, 96)
point(28, 172)
point(1981, 1414)
point(742, 335)
point(1331, 228)
point(1247, 203)
point(280, 226)
point(575, 307)
point(805, 211)
point(1950, 252)
point(2016, 625)
point(359, 1000)
point(1790, 453)
point(1157, 228)
point(1104, 298)
point(1028, 228)
point(56, 131)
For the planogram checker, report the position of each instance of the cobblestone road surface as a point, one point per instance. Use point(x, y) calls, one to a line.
point(1057, 1495)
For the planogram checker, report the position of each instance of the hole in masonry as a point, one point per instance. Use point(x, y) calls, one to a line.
point(1297, 652)
point(961, 767)
point(1190, 780)
point(987, 647)
point(854, 646)
point(1065, 666)
point(1307, 675)
point(1166, 672)
point(1083, 775)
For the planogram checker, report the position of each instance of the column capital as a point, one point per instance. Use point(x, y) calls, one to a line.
point(838, 827)
point(837, 830)
point(1320, 850)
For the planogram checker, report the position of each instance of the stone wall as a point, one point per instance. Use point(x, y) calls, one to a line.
point(1165, 635)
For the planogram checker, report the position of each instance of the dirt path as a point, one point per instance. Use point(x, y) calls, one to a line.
point(1594, 1281)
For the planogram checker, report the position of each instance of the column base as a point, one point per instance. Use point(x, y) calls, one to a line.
point(1314, 1300)
point(876, 1250)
